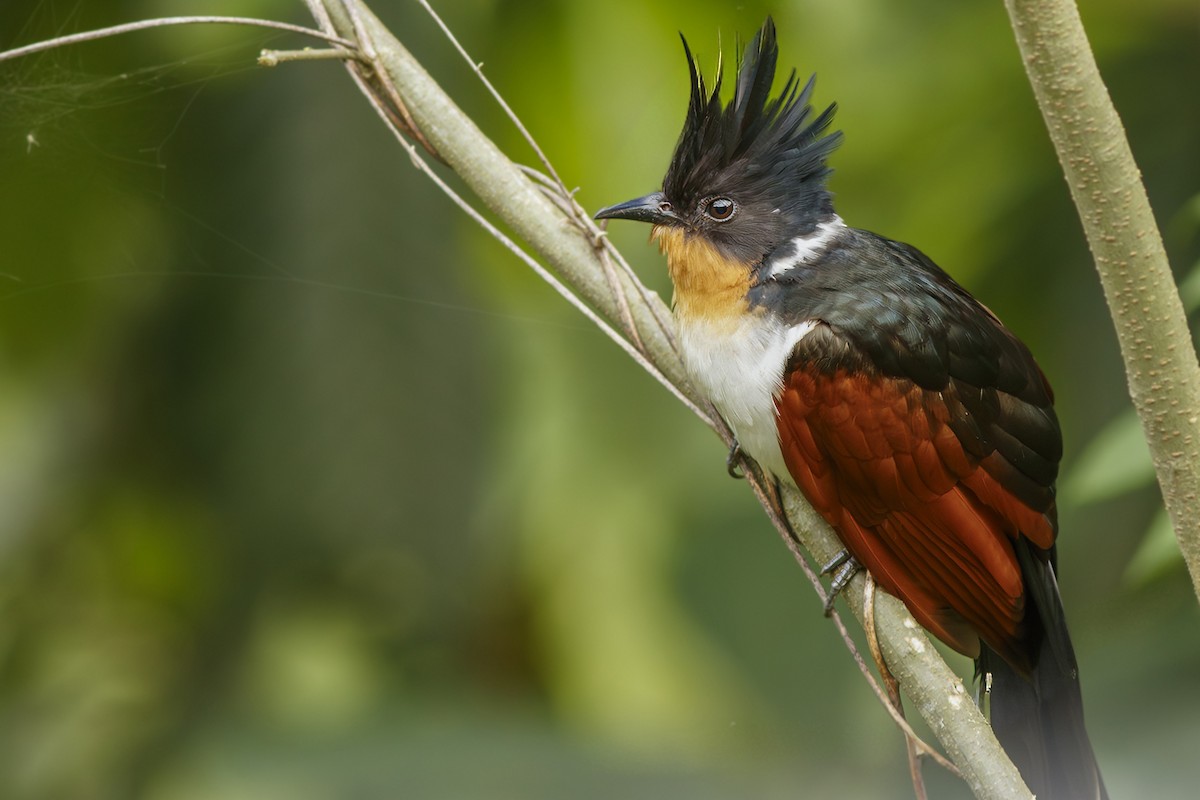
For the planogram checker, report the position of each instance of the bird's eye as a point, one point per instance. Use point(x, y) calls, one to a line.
point(719, 209)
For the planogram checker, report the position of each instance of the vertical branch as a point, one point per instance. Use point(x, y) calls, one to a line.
point(1156, 345)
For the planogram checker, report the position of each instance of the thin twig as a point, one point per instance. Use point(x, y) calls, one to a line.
point(893, 710)
point(911, 748)
point(610, 275)
point(582, 219)
point(476, 67)
point(273, 58)
point(163, 22)
point(775, 514)
point(604, 246)
point(557, 285)
point(580, 215)
point(642, 361)
point(656, 309)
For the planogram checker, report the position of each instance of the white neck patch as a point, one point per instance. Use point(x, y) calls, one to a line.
point(803, 249)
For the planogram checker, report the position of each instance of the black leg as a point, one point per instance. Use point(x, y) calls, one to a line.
point(843, 567)
point(732, 461)
point(832, 564)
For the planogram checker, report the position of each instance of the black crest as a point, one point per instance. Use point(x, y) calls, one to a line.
point(769, 146)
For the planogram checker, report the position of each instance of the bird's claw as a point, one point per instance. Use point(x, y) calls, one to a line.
point(843, 567)
point(732, 461)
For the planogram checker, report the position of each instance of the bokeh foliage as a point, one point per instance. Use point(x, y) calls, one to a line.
point(312, 491)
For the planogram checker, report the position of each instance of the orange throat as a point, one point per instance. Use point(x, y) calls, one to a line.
point(708, 286)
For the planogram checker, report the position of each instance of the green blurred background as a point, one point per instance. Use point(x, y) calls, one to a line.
point(310, 490)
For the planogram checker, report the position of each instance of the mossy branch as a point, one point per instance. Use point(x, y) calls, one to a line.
point(1156, 345)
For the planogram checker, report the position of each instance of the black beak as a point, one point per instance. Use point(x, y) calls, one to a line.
point(653, 208)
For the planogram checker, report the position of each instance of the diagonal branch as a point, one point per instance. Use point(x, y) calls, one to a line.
point(1160, 359)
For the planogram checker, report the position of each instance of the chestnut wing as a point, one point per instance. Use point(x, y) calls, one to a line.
point(929, 488)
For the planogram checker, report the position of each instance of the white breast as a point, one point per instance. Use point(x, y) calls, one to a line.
point(739, 366)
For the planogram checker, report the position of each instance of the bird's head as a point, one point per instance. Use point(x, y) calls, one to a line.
point(748, 176)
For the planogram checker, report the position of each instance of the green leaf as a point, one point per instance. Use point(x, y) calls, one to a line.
point(1157, 555)
point(1117, 460)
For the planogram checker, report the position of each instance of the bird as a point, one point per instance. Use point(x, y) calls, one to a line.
point(852, 367)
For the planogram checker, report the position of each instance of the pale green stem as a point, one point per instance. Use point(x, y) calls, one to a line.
point(1156, 345)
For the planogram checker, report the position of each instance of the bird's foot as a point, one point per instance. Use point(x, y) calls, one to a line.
point(733, 461)
point(843, 567)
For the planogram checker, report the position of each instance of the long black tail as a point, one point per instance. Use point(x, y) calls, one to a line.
point(1039, 718)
